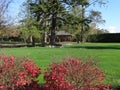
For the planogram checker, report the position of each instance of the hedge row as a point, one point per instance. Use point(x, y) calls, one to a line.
point(108, 37)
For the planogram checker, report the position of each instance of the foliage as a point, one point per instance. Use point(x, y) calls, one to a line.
point(74, 74)
point(54, 14)
point(16, 73)
point(29, 26)
point(96, 17)
point(55, 78)
point(48, 13)
point(106, 37)
point(85, 15)
point(93, 30)
point(31, 31)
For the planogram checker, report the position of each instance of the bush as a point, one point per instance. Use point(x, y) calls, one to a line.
point(107, 37)
point(15, 74)
point(55, 78)
point(73, 74)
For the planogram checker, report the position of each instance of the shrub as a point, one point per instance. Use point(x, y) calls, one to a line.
point(55, 78)
point(15, 74)
point(73, 74)
point(106, 37)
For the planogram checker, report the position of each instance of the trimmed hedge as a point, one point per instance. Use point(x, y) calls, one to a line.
point(107, 37)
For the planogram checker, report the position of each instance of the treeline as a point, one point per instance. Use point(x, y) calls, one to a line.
point(40, 19)
point(106, 37)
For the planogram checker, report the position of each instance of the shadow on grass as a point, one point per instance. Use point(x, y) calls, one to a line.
point(117, 47)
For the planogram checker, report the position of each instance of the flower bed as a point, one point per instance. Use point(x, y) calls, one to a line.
point(70, 74)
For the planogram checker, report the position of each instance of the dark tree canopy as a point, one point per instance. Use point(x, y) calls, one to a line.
point(53, 14)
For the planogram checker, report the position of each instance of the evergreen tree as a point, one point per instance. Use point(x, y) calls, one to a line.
point(52, 14)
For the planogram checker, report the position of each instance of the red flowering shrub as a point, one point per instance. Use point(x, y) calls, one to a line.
point(101, 87)
point(31, 68)
point(73, 74)
point(33, 86)
point(15, 74)
point(55, 78)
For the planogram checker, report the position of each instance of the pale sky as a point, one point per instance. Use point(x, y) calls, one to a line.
point(110, 14)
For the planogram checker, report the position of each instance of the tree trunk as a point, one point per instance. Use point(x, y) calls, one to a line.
point(43, 39)
point(53, 29)
point(31, 38)
point(33, 42)
point(82, 24)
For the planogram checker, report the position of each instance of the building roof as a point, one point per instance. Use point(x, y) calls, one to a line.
point(62, 33)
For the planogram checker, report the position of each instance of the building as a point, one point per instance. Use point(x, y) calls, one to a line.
point(63, 36)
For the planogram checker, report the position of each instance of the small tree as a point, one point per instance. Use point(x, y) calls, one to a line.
point(30, 31)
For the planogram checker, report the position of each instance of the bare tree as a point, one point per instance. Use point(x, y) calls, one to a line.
point(3, 8)
point(4, 4)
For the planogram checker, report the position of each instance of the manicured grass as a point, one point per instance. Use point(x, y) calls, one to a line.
point(107, 55)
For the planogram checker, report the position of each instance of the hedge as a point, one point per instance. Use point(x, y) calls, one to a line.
point(108, 37)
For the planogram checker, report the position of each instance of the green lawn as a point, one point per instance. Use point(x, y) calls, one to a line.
point(107, 55)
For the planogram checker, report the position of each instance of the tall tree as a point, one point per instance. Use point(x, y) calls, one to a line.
point(29, 24)
point(48, 10)
point(52, 12)
point(84, 5)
